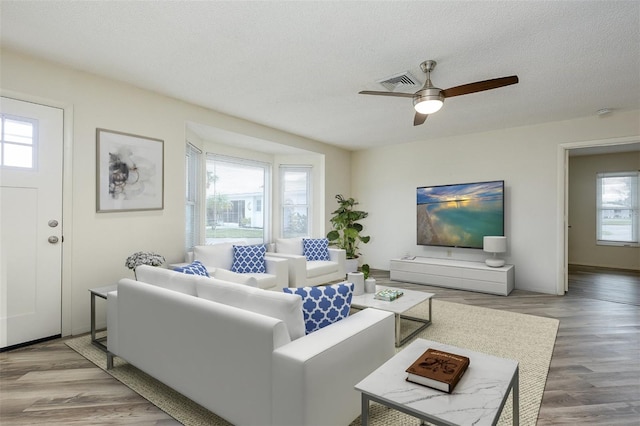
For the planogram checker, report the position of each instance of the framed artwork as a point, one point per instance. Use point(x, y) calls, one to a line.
point(130, 172)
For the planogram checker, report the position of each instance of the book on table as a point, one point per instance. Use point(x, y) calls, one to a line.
point(438, 369)
point(388, 294)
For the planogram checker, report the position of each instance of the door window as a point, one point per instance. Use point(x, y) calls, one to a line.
point(18, 143)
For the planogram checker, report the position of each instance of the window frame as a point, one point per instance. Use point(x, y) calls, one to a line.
point(193, 196)
point(308, 170)
point(266, 192)
point(33, 145)
point(634, 209)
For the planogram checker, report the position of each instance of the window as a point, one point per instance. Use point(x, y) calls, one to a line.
point(192, 203)
point(617, 208)
point(237, 200)
point(295, 201)
point(18, 141)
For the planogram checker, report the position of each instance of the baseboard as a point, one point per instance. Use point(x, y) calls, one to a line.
point(32, 342)
point(591, 265)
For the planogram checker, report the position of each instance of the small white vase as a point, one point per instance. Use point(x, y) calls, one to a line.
point(370, 285)
point(357, 278)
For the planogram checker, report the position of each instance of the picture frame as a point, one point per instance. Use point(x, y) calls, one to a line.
point(129, 172)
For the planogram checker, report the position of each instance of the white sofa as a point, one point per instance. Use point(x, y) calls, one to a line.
point(302, 272)
point(247, 367)
point(218, 258)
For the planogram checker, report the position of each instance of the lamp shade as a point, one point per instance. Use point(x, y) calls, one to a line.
point(428, 101)
point(494, 244)
point(428, 106)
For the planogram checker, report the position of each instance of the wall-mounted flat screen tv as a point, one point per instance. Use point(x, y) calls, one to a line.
point(460, 215)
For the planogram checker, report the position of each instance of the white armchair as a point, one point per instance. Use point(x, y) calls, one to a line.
point(303, 272)
point(218, 259)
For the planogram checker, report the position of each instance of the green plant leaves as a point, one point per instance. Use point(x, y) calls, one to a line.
point(346, 230)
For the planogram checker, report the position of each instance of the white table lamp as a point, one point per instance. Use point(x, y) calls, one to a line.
point(494, 245)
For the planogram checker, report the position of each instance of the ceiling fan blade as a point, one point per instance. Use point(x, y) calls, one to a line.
point(401, 95)
point(418, 119)
point(479, 86)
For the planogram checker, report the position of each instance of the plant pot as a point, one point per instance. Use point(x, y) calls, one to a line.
point(351, 265)
point(357, 278)
point(370, 285)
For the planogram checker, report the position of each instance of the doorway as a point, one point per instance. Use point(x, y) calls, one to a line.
point(31, 180)
point(625, 144)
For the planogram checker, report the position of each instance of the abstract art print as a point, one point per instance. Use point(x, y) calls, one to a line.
point(130, 174)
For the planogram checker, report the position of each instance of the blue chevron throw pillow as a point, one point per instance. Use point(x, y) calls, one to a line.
point(315, 248)
point(323, 305)
point(195, 268)
point(249, 259)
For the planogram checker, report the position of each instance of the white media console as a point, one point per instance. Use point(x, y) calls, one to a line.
point(458, 274)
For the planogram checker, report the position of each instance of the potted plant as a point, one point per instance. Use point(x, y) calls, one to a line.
point(369, 282)
point(143, 258)
point(346, 230)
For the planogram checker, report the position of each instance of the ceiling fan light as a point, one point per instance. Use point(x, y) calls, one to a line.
point(429, 101)
point(428, 106)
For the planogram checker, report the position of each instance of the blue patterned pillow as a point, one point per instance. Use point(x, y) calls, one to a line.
point(249, 259)
point(195, 268)
point(323, 305)
point(315, 248)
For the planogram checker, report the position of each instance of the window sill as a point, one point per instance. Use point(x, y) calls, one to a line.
point(617, 244)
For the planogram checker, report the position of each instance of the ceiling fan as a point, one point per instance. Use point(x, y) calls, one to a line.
point(429, 99)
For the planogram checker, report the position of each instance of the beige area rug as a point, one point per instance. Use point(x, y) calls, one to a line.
point(525, 338)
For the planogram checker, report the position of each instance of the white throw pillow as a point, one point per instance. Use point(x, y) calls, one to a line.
point(285, 307)
point(289, 245)
point(166, 278)
point(216, 255)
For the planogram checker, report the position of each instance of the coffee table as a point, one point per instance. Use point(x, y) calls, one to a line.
point(478, 398)
point(408, 300)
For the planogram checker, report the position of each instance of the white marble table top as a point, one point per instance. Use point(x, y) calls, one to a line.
point(477, 399)
point(408, 300)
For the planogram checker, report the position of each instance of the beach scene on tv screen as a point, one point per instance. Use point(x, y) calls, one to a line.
point(460, 215)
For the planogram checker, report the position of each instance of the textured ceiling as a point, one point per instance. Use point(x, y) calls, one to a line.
point(298, 66)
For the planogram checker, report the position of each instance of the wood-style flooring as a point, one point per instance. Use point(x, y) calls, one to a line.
point(594, 376)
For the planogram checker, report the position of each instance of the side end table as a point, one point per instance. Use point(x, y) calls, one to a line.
point(478, 398)
point(100, 292)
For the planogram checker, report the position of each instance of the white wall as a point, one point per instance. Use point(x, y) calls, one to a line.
point(385, 181)
point(583, 249)
point(97, 244)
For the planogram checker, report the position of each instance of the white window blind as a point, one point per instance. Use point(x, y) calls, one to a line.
point(193, 166)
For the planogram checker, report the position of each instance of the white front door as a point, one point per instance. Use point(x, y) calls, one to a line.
point(30, 221)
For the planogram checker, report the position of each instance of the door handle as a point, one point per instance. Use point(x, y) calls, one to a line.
point(53, 239)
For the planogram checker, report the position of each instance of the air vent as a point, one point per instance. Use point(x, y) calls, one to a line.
point(403, 82)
